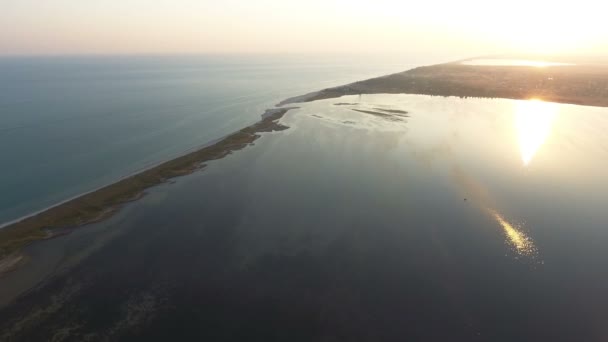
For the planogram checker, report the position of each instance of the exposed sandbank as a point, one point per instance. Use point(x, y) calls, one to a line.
point(385, 116)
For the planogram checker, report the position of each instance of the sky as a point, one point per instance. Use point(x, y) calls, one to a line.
point(425, 27)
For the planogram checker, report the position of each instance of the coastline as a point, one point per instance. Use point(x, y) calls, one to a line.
point(585, 85)
point(100, 204)
point(578, 84)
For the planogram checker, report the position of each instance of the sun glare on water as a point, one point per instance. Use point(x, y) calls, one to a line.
point(521, 242)
point(533, 121)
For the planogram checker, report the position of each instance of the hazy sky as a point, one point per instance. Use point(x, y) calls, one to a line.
point(463, 27)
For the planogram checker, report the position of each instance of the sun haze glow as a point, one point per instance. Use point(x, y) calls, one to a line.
point(433, 27)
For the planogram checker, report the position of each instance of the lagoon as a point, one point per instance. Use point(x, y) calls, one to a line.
point(378, 217)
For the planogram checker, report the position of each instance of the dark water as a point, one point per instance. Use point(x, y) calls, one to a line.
point(71, 124)
point(462, 220)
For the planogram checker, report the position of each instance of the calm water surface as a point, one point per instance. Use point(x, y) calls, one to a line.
point(389, 218)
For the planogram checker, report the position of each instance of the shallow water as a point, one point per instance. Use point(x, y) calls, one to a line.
point(71, 124)
point(412, 218)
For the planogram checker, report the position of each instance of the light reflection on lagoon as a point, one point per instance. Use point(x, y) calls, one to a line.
point(533, 120)
point(522, 243)
point(481, 198)
point(485, 143)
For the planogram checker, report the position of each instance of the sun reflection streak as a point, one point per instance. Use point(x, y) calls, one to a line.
point(522, 243)
point(533, 121)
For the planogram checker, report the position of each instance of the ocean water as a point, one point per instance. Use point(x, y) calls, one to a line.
point(383, 218)
point(71, 124)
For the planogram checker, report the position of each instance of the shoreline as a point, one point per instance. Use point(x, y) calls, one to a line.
point(101, 203)
point(585, 85)
point(136, 172)
point(576, 84)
